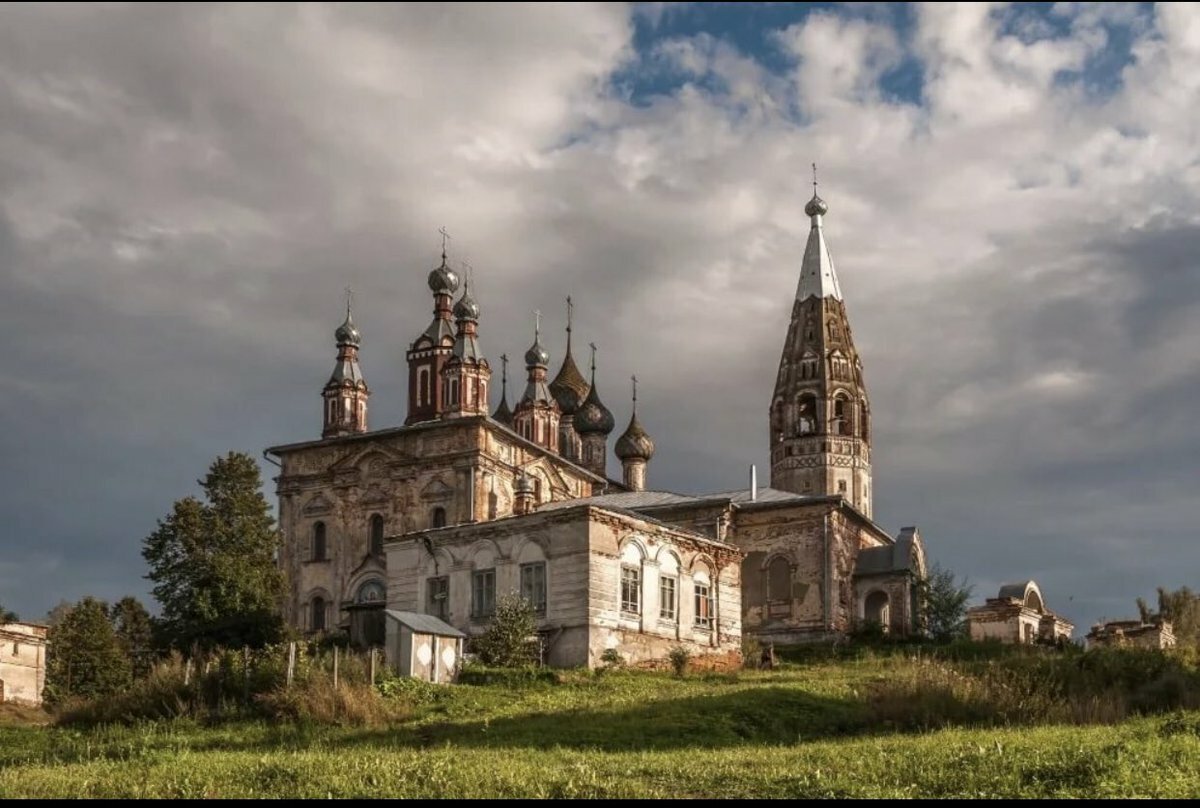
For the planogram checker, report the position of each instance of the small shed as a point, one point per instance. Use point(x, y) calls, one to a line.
point(423, 646)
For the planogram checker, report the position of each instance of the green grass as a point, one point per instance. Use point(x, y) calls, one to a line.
point(803, 731)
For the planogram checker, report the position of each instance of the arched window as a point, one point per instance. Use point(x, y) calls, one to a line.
point(807, 422)
point(866, 421)
point(779, 579)
point(318, 614)
point(376, 534)
point(372, 591)
point(318, 542)
point(439, 517)
point(843, 416)
point(423, 386)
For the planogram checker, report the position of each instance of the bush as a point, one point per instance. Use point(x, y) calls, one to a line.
point(510, 640)
point(612, 658)
point(680, 658)
point(317, 700)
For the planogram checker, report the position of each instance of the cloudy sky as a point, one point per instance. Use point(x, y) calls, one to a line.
point(1014, 197)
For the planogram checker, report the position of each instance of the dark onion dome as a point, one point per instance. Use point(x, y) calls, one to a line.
point(524, 484)
point(569, 388)
point(443, 280)
point(635, 443)
point(503, 414)
point(592, 417)
point(347, 333)
point(466, 308)
point(816, 207)
point(536, 355)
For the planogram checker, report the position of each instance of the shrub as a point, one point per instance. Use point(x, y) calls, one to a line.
point(680, 657)
point(510, 640)
point(612, 658)
point(317, 700)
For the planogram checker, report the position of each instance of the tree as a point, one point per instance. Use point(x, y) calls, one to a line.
point(83, 656)
point(55, 615)
point(509, 638)
point(1181, 609)
point(213, 562)
point(6, 616)
point(944, 604)
point(135, 633)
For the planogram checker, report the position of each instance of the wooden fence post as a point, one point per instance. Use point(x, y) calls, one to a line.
point(291, 669)
point(246, 673)
point(335, 667)
point(187, 672)
point(371, 654)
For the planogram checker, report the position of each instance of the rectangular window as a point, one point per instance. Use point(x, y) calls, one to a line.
point(483, 593)
point(533, 585)
point(631, 590)
point(704, 606)
point(666, 599)
point(438, 590)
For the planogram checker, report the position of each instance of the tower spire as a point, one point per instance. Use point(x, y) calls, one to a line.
point(634, 449)
point(346, 392)
point(819, 415)
point(569, 389)
point(593, 423)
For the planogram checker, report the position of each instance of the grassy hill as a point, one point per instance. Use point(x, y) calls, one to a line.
point(832, 728)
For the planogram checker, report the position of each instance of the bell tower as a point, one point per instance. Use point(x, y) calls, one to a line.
point(820, 418)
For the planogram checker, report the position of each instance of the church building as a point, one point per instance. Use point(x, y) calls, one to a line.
point(459, 505)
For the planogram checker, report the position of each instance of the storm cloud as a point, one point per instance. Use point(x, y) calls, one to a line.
point(185, 190)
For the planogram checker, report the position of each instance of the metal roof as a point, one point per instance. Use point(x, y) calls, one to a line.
point(818, 278)
point(424, 623)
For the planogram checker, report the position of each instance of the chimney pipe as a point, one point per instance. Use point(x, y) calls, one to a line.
point(753, 483)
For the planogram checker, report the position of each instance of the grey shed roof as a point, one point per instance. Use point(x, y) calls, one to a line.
point(424, 623)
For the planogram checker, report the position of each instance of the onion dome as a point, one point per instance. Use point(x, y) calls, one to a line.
point(524, 484)
point(536, 355)
point(816, 207)
point(569, 388)
point(635, 442)
point(592, 417)
point(347, 333)
point(503, 414)
point(466, 308)
point(443, 280)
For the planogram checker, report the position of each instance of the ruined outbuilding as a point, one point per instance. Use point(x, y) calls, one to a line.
point(1131, 633)
point(1018, 614)
point(22, 662)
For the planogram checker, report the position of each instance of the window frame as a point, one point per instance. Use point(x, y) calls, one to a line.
point(539, 605)
point(636, 602)
point(478, 610)
point(705, 622)
point(320, 542)
point(433, 584)
point(375, 543)
point(673, 615)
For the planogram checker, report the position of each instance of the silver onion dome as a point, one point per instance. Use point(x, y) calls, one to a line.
point(466, 308)
point(347, 333)
point(536, 355)
point(816, 207)
point(524, 484)
point(443, 280)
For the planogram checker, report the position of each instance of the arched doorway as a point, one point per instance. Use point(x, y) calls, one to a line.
point(366, 615)
point(877, 609)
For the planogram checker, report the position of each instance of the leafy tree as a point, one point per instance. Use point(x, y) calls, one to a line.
point(7, 616)
point(944, 604)
point(1181, 608)
point(55, 615)
point(135, 633)
point(509, 638)
point(213, 562)
point(83, 656)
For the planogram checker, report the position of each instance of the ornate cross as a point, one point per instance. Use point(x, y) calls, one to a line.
point(349, 297)
point(634, 390)
point(445, 238)
point(537, 323)
point(592, 345)
point(504, 369)
point(570, 308)
point(814, 179)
